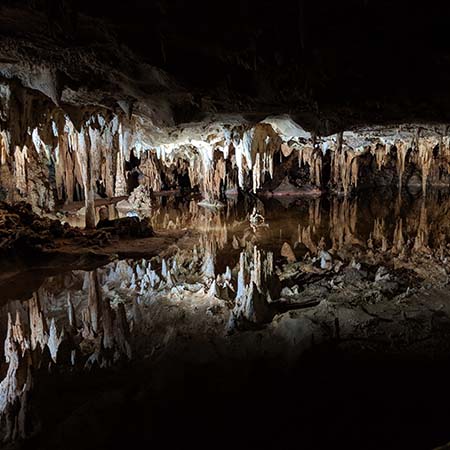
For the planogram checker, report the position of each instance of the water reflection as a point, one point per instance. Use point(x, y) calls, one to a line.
point(372, 220)
point(249, 263)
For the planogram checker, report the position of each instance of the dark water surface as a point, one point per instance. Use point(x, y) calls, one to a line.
point(176, 392)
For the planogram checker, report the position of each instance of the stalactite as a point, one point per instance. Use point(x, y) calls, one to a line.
point(402, 150)
point(380, 152)
point(151, 169)
point(313, 158)
point(84, 154)
point(51, 155)
point(425, 148)
point(20, 157)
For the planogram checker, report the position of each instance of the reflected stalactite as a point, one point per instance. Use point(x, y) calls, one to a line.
point(40, 341)
point(38, 324)
point(398, 241)
point(394, 231)
point(422, 235)
point(252, 295)
point(343, 221)
point(94, 309)
point(233, 272)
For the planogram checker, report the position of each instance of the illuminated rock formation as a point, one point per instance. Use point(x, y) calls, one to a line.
point(52, 155)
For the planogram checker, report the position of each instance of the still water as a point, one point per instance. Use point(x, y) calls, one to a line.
point(338, 262)
point(290, 229)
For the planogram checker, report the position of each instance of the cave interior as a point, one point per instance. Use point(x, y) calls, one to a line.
point(224, 224)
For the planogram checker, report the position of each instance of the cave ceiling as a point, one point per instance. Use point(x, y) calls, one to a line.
point(330, 65)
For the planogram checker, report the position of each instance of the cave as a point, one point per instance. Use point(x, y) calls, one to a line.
point(224, 225)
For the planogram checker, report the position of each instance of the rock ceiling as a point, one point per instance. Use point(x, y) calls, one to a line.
point(329, 65)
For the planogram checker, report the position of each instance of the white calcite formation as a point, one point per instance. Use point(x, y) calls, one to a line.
point(252, 296)
point(103, 333)
point(53, 156)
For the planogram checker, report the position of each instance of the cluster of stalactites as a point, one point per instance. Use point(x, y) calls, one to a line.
point(429, 154)
point(233, 157)
point(344, 167)
point(313, 157)
point(251, 155)
point(62, 161)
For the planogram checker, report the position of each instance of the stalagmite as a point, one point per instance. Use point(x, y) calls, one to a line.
point(326, 261)
point(208, 266)
point(212, 292)
point(20, 156)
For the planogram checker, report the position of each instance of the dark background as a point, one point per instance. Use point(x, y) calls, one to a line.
point(352, 61)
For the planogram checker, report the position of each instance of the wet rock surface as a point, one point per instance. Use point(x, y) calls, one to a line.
point(23, 233)
point(23, 230)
